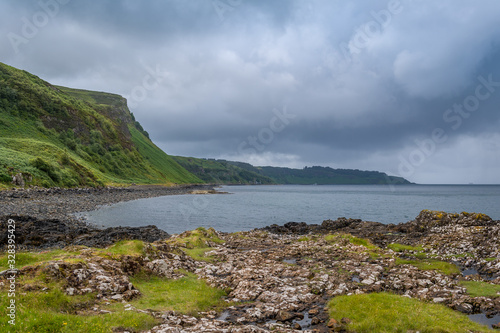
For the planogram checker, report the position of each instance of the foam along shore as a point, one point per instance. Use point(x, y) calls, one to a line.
point(289, 278)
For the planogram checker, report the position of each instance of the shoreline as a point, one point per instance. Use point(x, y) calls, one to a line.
point(61, 203)
point(44, 217)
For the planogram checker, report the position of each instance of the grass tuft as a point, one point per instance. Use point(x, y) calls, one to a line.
point(480, 288)
point(430, 264)
point(187, 295)
point(396, 247)
point(384, 312)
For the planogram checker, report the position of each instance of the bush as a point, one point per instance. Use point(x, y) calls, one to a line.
point(46, 167)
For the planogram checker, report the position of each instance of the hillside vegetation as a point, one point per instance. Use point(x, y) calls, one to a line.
point(221, 171)
point(231, 172)
point(57, 136)
point(326, 176)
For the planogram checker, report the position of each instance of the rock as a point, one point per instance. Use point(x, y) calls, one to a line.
point(18, 180)
point(315, 321)
point(339, 223)
point(332, 323)
point(297, 326)
point(313, 312)
point(464, 308)
point(284, 316)
point(439, 300)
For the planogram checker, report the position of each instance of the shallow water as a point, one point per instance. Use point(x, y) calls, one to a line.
point(482, 319)
point(250, 207)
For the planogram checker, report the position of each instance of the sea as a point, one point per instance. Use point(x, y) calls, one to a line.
point(244, 208)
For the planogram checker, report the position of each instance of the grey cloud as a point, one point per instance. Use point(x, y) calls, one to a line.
point(360, 101)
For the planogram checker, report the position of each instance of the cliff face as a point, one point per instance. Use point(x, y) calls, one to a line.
point(58, 136)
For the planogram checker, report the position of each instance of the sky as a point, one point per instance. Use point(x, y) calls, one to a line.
point(406, 87)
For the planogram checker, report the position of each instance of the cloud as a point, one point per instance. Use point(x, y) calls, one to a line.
point(364, 79)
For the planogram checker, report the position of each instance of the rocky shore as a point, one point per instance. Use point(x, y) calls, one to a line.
point(45, 216)
point(281, 278)
point(60, 203)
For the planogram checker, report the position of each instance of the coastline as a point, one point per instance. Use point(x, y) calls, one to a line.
point(60, 203)
point(282, 278)
point(45, 217)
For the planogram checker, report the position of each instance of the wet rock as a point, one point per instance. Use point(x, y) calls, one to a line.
point(39, 234)
point(285, 316)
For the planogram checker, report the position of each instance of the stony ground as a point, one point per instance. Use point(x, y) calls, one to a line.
point(59, 204)
point(281, 278)
point(44, 217)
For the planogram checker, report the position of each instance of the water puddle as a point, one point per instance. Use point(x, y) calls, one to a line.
point(466, 271)
point(223, 316)
point(292, 261)
point(306, 322)
point(481, 318)
point(469, 271)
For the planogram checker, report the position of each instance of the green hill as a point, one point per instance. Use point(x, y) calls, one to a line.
point(328, 176)
point(222, 171)
point(57, 136)
point(231, 172)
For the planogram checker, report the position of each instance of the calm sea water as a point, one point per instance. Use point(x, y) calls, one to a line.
point(249, 207)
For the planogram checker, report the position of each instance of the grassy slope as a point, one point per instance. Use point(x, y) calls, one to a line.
point(220, 171)
point(165, 164)
point(69, 137)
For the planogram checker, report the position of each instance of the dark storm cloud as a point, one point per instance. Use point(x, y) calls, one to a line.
point(366, 84)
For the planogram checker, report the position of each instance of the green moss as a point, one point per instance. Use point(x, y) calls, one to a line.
point(335, 238)
point(479, 288)
point(383, 312)
point(402, 248)
point(198, 238)
point(127, 247)
point(430, 264)
point(32, 258)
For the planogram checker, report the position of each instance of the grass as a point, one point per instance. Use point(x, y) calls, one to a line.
point(373, 251)
point(187, 295)
point(198, 254)
point(54, 311)
point(200, 238)
point(430, 264)
point(197, 242)
point(32, 258)
point(384, 312)
point(402, 248)
point(125, 247)
point(479, 288)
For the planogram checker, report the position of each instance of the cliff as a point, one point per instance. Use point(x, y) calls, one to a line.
point(57, 136)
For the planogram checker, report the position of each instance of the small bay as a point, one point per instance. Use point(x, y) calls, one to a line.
point(249, 207)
